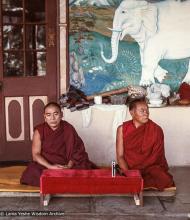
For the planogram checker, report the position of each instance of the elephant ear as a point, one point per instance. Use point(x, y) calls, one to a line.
point(150, 19)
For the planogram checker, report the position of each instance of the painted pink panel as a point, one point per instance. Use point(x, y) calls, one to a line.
point(37, 111)
point(14, 116)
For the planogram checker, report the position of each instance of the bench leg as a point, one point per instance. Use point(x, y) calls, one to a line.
point(44, 199)
point(141, 198)
point(138, 199)
point(41, 199)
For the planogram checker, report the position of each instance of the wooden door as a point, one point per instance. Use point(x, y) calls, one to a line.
point(28, 74)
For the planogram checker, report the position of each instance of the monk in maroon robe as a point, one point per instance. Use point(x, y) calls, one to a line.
point(140, 145)
point(56, 145)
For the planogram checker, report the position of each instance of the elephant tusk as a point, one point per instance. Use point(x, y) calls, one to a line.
point(114, 30)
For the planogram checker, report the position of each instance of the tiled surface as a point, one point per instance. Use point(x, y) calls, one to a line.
point(108, 208)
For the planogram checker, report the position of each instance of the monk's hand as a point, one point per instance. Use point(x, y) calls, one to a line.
point(66, 166)
point(56, 166)
point(63, 166)
point(70, 164)
point(60, 166)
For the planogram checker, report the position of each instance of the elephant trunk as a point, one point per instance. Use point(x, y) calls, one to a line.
point(114, 45)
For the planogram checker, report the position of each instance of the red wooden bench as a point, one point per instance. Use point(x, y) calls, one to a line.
point(97, 182)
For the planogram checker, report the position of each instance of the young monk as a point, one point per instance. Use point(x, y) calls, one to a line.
point(55, 145)
point(140, 145)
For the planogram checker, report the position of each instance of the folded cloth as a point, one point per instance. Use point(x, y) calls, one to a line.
point(119, 115)
point(184, 91)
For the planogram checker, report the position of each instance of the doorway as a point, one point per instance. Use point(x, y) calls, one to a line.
point(28, 71)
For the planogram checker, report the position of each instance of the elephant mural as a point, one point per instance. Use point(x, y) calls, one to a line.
point(161, 29)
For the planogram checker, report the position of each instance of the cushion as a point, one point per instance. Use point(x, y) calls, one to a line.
point(98, 181)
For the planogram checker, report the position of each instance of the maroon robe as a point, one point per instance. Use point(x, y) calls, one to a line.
point(144, 150)
point(58, 147)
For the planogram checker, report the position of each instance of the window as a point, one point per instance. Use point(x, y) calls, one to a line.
point(23, 37)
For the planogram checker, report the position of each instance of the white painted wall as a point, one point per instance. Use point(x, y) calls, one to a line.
point(99, 136)
point(175, 123)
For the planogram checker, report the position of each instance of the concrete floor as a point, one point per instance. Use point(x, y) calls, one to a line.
point(108, 208)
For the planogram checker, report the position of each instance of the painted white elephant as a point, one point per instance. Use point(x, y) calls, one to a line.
point(161, 29)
